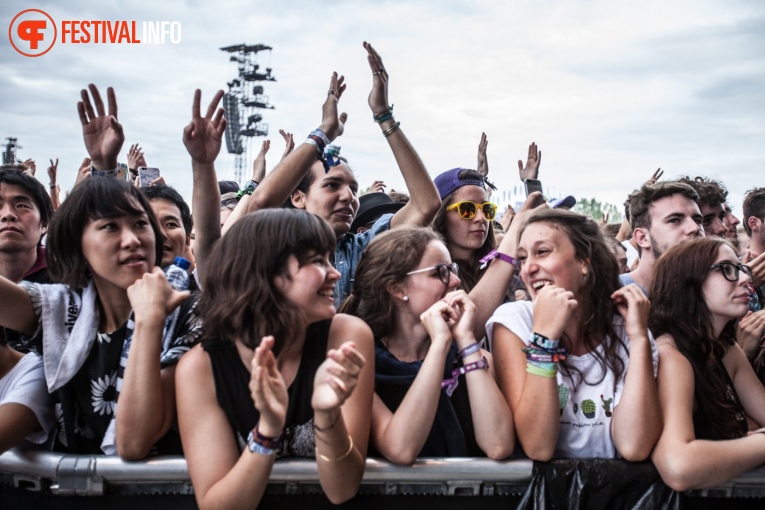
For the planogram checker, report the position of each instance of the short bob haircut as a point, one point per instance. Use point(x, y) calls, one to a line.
point(37, 191)
point(385, 262)
point(240, 299)
point(94, 198)
point(591, 248)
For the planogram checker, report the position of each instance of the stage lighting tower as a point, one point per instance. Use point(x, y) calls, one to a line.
point(243, 103)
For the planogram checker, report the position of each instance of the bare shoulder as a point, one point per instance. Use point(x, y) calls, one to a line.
point(666, 342)
point(346, 328)
point(194, 364)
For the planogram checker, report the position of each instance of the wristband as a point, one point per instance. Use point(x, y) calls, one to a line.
point(258, 443)
point(451, 383)
point(104, 173)
point(53, 185)
point(252, 183)
point(470, 349)
point(544, 372)
point(495, 254)
point(311, 141)
point(543, 343)
point(318, 132)
point(386, 115)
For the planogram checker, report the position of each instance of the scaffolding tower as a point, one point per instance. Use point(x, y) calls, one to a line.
point(244, 103)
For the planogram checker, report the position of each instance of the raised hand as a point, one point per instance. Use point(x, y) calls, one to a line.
point(523, 213)
point(53, 172)
point(83, 172)
point(655, 177)
point(337, 377)
point(135, 158)
point(756, 263)
point(378, 96)
point(333, 125)
point(152, 297)
point(203, 136)
point(102, 133)
point(632, 304)
point(289, 141)
point(553, 307)
point(259, 163)
point(507, 218)
point(268, 390)
point(377, 187)
point(531, 169)
point(30, 166)
point(483, 162)
point(464, 308)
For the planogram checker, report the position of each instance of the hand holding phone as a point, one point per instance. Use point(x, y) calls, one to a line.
point(147, 175)
point(533, 185)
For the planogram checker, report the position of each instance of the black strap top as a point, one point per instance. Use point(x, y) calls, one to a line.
point(232, 380)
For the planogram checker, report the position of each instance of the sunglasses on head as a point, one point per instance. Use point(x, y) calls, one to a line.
point(468, 209)
point(731, 271)
point(443, 270)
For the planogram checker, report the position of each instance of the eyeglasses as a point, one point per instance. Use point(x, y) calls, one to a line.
point(731, 271)
point(443, 269)
point(468, 209)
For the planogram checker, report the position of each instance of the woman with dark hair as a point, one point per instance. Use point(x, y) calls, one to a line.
point(465, 220)
point(278, 372)
point(435, 392)
point(577, 364)
point(104, 244)
point(707, 387)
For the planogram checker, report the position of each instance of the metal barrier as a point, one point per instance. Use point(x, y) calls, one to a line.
point(70, 475)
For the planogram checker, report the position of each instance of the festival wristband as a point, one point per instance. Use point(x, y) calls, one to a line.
point(495, 254)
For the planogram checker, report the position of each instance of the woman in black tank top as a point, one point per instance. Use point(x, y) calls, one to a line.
point(707, 387)
point(278, 373)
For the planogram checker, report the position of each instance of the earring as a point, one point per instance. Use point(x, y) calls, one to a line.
point(405, 298)
point(585, 276)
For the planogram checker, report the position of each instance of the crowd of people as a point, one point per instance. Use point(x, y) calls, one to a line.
point(317, 323)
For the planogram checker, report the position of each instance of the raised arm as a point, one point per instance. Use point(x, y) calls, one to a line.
point(634, 439)
point(279, 184)
point(147, 399)
point(53, 187)
point(258, 173)
point(222, 477)
point(202, 138)
point(419, 212)
point(490, 290)
point(683, 461)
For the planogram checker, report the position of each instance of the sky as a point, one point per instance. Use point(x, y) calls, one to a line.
point(609, 91)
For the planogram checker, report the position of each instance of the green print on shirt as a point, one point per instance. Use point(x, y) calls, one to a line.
point(607, 405)
point(562, 397)
point(588, 408)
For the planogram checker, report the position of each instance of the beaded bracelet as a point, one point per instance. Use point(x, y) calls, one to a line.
point(392, 129)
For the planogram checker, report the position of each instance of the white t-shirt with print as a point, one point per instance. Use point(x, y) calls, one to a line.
point(585, 420)
point(25, 384)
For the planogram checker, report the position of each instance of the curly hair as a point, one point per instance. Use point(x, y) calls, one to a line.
point(711, 193)
point(470, 270)
point(596, 304)
point(240, 299)
point(678, 308)
point(385, 261)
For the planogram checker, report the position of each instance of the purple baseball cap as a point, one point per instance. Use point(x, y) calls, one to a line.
point(449, 181)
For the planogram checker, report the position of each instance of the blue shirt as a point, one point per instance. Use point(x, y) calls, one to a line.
point(626, 279)
point(348, 253)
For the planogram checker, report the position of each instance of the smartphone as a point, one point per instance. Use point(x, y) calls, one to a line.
point(533, 185)
point(147, 175)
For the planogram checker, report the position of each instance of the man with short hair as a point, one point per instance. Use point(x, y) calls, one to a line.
point(754, 219)
point(731, 222)
point(662, 215)
point(752, 326)
point(712, 198)
point(25, 212)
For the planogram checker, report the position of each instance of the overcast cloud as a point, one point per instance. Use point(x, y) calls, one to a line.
point(609, 90)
